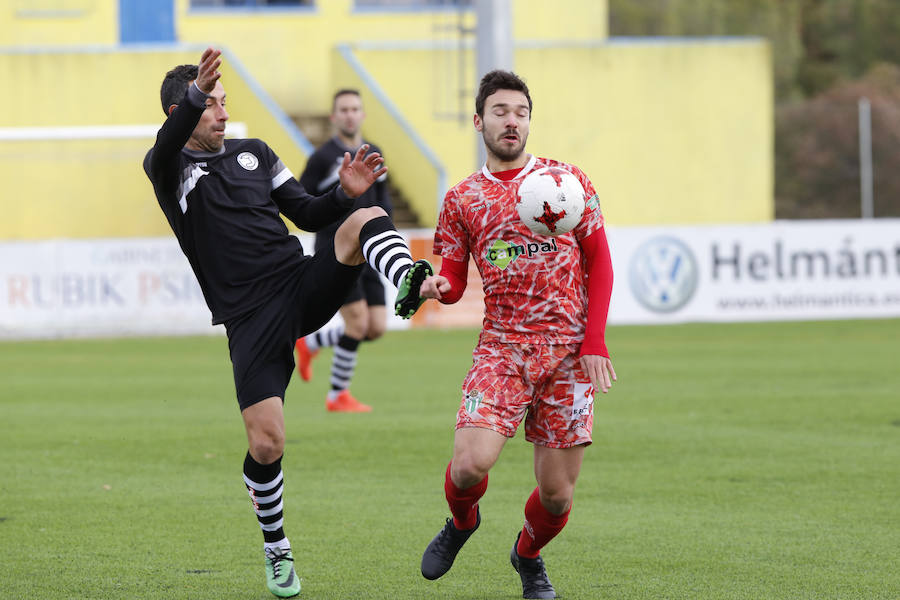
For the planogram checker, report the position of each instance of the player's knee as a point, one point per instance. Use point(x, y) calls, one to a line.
point(354, 222)
point(376, 330)
point(355, 329)
point(557, 500)
point(466, 471)
point(267, 446)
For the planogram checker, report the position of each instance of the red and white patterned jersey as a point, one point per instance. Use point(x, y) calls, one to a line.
point(534, 286)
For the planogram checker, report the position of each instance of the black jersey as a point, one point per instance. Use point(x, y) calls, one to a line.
point(224, 209)
point(321, 174)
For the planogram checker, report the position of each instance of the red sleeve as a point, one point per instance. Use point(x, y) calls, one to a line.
point(457, 273)
point(599, 290)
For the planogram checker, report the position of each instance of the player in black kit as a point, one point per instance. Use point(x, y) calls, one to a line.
point(364, 315)
point(222, 199)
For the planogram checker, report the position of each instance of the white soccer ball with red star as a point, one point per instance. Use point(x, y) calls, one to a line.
point(550, 201)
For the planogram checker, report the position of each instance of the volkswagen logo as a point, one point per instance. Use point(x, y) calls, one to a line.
point(663, 274)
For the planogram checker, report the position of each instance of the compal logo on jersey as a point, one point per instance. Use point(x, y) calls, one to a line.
point(474, 400)
point(501, 252)
point(248, 160)
point(663, 274)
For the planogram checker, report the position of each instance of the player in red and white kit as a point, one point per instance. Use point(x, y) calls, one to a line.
point(541, 352)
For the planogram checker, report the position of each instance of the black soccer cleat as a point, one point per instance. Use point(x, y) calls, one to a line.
point(408, 298)
point(440, 553)
point(535, 583)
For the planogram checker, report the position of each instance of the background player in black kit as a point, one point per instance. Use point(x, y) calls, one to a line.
point(363, 312)
point(222, 199)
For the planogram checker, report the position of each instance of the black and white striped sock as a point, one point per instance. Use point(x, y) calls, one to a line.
point(265, 484)
point(324, 338)
point(384, 249)
point(343, 363)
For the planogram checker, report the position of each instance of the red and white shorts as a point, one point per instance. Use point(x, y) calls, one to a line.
point(544, 384)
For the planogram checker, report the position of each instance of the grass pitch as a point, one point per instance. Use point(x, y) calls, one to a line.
point(752, 461)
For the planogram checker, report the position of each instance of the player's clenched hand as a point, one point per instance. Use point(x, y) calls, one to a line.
point(207, 70)
point(357, 175)
point(434, 287)
point(600, 370)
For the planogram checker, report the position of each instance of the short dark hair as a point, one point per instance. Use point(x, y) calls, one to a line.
point(343, 92)
point(499, 80)
point(175, 85)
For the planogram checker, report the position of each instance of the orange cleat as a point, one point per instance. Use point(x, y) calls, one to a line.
point(344, 402)
point(304, 359)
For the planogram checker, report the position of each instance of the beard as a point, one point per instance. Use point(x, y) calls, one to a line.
point(210, 142)
point(504, 152)
point(347, 132)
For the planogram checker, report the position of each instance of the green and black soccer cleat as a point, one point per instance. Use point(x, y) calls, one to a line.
point(408, 298)
point(280, 575)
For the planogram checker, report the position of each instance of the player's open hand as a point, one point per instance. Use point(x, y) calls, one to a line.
point(600, 370)
point(207, 70)
point(357, 175)
point(434, 287)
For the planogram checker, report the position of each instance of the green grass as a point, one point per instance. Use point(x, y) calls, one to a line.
point(754, 461)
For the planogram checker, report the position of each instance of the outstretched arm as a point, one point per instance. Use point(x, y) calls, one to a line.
point(162, 162)
point(449, 285)
point(594, 354)
point(312, 213)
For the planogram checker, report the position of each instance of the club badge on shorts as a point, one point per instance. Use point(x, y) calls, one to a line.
point(474, 400)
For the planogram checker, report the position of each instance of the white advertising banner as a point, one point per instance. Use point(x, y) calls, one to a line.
point(778, 271)
point(69, 288)
point(787, 270)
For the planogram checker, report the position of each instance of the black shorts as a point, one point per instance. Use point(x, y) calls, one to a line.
point(261, 342)
point(369, 287)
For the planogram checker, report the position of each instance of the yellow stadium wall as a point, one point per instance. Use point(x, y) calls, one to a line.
point(669, 132)
point(58, 22)
point(97, 188)
point(288, 51)
point(676, 131)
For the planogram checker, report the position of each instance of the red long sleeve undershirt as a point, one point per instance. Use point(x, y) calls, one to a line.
point(599, 289)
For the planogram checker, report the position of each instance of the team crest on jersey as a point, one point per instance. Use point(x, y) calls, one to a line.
point(501, 253)
point(474, 399)
point(248, 160)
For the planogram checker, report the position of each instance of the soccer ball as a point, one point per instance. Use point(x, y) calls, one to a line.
point(551, 201)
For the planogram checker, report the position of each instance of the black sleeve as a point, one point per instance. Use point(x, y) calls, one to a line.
point(307, 212)
point(161, 163)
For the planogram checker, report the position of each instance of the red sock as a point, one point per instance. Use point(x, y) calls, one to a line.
point(541, 526)
point(463, 503)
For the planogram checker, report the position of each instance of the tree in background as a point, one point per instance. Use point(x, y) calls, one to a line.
point(817, 171)
point(825, 55)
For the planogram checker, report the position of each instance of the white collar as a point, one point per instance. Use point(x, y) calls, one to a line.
point(525, 170)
